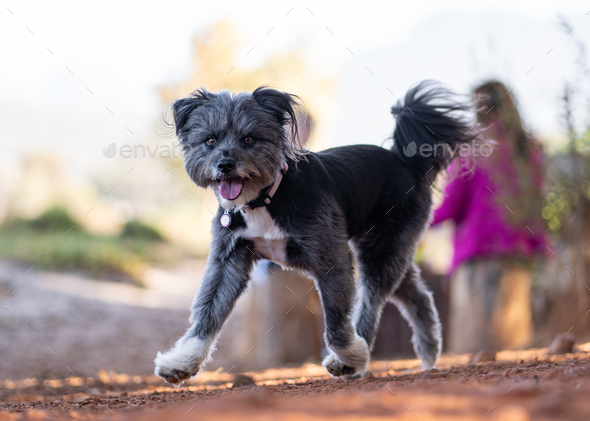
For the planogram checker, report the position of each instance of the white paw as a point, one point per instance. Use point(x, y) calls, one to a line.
point(351, 361)
point(183, 361)
point(428, 364)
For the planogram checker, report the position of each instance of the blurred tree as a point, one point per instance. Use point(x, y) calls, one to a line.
point(567, 203)
point(215, 53)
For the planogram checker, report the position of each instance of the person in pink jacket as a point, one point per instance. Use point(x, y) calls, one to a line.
point(495, 205)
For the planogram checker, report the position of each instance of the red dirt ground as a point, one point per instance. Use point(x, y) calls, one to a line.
point(520, 385)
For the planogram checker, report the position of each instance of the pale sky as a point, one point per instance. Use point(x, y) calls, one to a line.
point(65, 62)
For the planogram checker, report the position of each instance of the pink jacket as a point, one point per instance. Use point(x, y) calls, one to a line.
point(480, 226)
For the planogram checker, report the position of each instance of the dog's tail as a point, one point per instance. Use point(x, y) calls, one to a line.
point(431, 126)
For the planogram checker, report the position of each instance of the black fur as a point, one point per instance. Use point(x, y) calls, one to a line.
point(431, 115)
point(362, 201)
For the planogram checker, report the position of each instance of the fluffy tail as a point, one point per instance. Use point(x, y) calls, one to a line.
point(431, 127)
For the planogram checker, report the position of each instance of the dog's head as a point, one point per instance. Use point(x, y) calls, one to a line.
point(235, 144)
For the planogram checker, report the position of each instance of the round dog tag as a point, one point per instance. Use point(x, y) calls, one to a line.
point(225, 219)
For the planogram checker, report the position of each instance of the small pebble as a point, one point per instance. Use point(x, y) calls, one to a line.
point(483, 356)
point(242, 380)
point(562, 344)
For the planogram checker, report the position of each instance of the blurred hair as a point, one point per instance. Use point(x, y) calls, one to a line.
point(495, 104)
point(517, 167)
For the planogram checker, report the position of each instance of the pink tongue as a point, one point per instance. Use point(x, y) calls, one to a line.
point(230, 188)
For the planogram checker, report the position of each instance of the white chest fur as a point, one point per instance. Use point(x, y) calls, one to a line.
point(269, 239)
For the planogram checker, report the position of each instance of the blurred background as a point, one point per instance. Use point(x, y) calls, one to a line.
point(103, 236)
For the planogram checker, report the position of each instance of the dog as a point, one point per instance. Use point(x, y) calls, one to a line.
point(313, 212)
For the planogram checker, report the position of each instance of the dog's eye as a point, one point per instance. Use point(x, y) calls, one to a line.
point(211, 141)
point(248, 140)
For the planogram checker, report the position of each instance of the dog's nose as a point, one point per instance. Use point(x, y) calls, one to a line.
point(226, 165)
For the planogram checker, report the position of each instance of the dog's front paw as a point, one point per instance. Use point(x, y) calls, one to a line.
point(172, 375)
point(337, 368)
point(175, 369)
point(182, 362)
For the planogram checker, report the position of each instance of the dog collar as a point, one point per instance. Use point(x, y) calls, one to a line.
point(264, 198)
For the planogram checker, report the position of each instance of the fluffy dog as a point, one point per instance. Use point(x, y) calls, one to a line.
point(314, 212)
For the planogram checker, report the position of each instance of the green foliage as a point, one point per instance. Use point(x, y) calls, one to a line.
point(76, 250)
point(54, 219)
point(139, 231)
point(558, 205)
point(568, 190)
point(49, 242)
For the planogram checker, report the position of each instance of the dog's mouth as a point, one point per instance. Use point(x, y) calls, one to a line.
point(231, 187)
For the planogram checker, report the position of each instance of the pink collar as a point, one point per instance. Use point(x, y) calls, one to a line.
point(264, 198)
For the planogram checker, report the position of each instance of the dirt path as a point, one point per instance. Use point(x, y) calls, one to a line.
point(54, 325)
point(522, 385)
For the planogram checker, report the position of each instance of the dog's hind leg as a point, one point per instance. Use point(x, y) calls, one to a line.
point(384, 259)
point(382, 265)
point(416, 304)
point(333, 273)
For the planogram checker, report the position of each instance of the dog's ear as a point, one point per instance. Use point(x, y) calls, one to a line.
point(279, 104)
point(283, 107)
point(182, 108)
